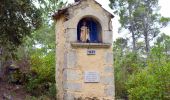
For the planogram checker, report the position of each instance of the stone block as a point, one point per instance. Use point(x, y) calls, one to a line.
point(68, 96)
point(70, 59)
point(107, 37)
point(71, 86)
point(109, 91)
point(70, 74)
point(108, 69)
point(108, 80)
point(109, 58)
point(72, 35)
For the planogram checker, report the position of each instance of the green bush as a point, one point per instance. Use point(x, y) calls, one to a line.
point(41, 79)
point(153, 81)
point(125, 65)
point(52, 90)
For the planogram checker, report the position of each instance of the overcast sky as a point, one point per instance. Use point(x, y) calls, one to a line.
point(165, 6)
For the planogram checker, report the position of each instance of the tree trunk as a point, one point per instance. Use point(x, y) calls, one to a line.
point(147, 47)
point(134, 41)
point(146, 34)
point(132, 28)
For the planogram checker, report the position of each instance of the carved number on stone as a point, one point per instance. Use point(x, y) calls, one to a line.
point(91, 52)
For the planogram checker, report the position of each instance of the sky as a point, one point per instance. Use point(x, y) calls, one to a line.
point(164, 4)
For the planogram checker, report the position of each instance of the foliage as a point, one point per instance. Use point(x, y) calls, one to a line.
point(141, 73)
point(125, 63)
point(40, 48)
point(42, 77)
point(48, 8)
point(27, 33)
point(141, 19)
point(125, 66)
point(43, 97)
point(141, 78)
point(18, 19)
point(14, 76)
point(152, 82)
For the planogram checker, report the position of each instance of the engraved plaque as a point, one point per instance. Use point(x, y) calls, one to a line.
point(91, 52)
point(91, 77)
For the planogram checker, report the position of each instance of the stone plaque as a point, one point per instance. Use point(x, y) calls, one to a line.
point(91, 52)
point(91, 77)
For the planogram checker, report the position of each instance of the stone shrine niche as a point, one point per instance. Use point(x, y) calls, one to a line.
point(93, 30)
point(84, 48)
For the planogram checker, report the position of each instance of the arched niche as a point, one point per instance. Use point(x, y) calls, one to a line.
point(95, 29)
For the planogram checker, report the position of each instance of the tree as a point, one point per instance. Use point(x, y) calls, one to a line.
point(44, 37)
point(136, 76)
point(151, 82)
point(125, 64)
point(39, 47)
point(48, 8)
point(147, 21)
point(141, 18)
point(164, 41)
point(18, 19)
point(125, 9)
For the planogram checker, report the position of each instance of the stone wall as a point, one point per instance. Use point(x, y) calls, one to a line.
point(60, 50)
point(88, 8)
point(73, 62)
point(74, 74)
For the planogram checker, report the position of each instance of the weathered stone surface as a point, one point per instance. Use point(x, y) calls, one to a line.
point(73, 86)
point(92, 45)
point(108, 80)
point(70, 74)
point(109, 58)
point(88, 10)
point(68, 96)
point(108, 69)
point(72, 35)
point(109, 91)
point(70, 59)
point(107, 37)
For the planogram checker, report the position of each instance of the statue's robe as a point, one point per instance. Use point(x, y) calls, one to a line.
point(84, 34)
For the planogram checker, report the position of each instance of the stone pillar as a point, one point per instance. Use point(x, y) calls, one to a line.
point(84, 71)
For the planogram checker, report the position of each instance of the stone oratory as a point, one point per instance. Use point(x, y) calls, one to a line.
point(84, 55)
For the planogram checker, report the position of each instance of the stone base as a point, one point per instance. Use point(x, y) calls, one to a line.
point(69, 96)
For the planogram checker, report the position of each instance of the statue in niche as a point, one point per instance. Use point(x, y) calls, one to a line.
point(84, 33)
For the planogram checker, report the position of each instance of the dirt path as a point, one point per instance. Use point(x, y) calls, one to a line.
point(11, 91)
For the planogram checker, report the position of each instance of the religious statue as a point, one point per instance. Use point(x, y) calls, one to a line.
point(84, 34)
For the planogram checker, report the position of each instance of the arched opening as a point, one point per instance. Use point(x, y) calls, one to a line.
point(90, 26)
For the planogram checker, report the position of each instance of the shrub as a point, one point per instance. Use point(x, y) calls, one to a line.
point(153, 81)
point(41, 79)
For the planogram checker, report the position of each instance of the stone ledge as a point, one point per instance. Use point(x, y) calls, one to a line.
point(90, 45)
